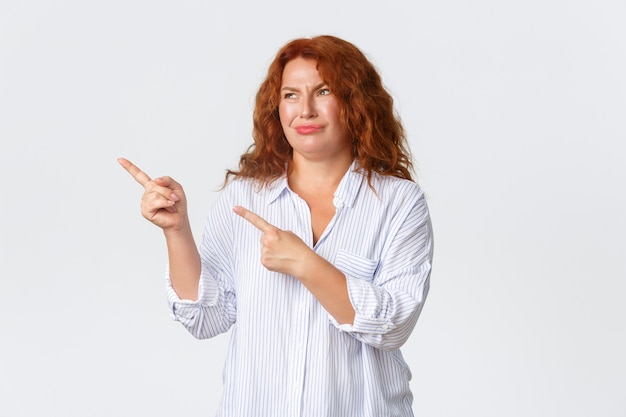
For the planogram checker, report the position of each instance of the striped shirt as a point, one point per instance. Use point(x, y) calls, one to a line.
point(287, 356)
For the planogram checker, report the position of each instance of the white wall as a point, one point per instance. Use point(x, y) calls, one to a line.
point(516, 115)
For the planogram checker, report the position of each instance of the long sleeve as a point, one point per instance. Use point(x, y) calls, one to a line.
point(216, 308)
point(387, 282)
point(389, 295)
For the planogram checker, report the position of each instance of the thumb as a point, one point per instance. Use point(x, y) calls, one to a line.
point(168, 182)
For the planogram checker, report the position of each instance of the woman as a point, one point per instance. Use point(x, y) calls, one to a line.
point(325, 270)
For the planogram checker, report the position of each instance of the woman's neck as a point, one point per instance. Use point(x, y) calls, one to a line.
point(313, 176)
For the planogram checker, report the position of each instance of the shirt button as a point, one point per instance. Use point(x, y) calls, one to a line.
point(385, 326)
point(337, 202)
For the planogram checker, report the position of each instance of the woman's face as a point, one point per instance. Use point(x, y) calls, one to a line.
point(310, 114)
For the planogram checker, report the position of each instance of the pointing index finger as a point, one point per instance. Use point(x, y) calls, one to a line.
point(140, 176)
point(256, 220)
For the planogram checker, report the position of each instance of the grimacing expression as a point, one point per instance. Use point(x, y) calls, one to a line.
point(310, 114)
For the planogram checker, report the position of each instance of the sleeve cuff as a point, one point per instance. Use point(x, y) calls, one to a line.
point(208, 293)
point(366, 301)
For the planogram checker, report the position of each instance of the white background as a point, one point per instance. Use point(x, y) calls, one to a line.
point(516, 116)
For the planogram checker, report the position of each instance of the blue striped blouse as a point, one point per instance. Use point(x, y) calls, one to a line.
point(287, 356)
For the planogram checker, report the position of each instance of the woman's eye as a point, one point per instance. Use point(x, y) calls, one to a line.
point(324, 92)
point(289, 95)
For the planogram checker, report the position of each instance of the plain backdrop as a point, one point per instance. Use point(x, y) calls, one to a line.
point(515, 112)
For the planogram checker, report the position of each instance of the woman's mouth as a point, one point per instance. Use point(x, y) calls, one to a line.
point(308, 129)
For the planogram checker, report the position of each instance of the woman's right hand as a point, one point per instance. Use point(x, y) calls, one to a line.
point(163, 201)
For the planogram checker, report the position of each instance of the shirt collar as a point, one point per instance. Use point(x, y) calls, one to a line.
point(276, 188)
point(349, 186)
point(344, 195)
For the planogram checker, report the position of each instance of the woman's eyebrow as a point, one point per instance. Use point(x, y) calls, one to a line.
point(317, 87)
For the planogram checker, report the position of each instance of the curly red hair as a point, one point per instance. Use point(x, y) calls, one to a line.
point(379, 139)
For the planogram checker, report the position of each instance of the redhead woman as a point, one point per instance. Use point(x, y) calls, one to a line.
point(317, 252)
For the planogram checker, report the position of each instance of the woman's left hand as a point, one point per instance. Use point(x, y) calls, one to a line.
point(281, 251)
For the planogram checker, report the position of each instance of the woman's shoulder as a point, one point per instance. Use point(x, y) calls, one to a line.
point(249, 189)
point(390, 184)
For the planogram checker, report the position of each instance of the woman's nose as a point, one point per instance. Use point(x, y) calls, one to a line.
point(308, 108)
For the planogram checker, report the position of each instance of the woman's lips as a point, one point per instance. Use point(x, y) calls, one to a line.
point(308, 129)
